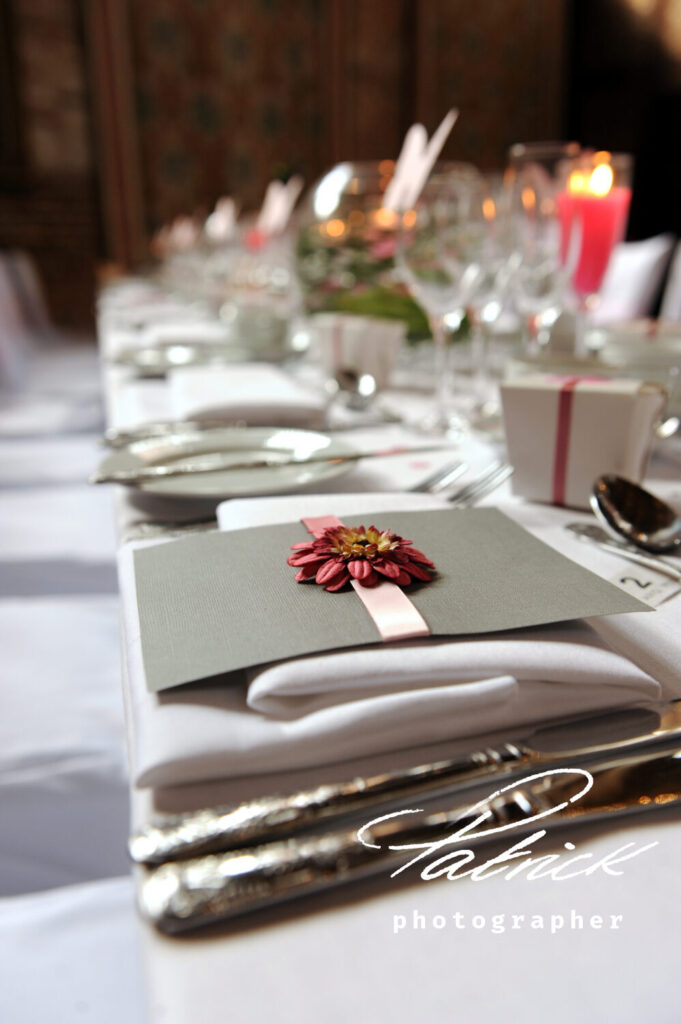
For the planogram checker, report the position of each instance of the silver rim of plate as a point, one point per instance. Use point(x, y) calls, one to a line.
point(157, 360)
point(245, 443)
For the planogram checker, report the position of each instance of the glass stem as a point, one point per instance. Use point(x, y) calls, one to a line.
point(530, 339)
point(581, 324)
point(479, 355)
point(443, 369)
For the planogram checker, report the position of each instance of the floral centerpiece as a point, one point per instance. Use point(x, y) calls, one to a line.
point(345, 252)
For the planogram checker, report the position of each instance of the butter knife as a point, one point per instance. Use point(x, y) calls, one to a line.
point(115, 438)
point(178, 836)
point(178, 896)
point(214, 462)
point(594, 534)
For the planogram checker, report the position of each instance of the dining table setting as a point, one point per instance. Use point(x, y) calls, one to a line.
point(397, 526)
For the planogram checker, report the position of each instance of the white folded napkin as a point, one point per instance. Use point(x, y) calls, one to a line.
point(260, 395)
point(321, 709)
point(650, 641)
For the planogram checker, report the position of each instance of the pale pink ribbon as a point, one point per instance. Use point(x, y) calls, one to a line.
point(393, 614)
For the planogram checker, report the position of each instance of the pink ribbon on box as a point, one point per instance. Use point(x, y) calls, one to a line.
point(393, 614)
point(563, 428)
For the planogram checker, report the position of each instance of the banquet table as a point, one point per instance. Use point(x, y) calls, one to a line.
point(401, 947)
point(601, 946)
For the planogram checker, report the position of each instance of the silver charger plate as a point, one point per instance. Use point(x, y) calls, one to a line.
point(157, 360)
point(245, 443)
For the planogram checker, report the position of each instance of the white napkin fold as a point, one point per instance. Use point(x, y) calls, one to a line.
point(260, 395)
point(650, 641)
point(321, 709)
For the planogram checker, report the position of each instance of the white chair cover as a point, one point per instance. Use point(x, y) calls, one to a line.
point(670, 308)
point(633, 279)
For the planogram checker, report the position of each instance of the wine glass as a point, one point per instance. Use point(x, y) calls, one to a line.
point(543, 258)
point(438, 240)
point(490, 286)
point(345, 249)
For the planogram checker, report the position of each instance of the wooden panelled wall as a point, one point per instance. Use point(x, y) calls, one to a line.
point(230, 93)
point(134, 111)
point(47, 172)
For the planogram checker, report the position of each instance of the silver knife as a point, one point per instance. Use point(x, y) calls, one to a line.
point(213, 462)
point(114, 438)
point(594, 534)
point(577, 740)
point(178, 896)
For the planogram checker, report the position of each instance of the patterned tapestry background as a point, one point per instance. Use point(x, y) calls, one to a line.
point(231, 93)
point(122, 114)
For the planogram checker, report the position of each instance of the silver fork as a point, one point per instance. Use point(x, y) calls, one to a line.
point(154, 529)
point(487, 481)
point(441, 478)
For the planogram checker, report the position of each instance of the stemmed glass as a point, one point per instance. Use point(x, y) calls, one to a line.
point(490, 278)
point(434, 256)
point(544, 250)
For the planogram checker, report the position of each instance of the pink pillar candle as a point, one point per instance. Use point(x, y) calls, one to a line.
point(602, 222)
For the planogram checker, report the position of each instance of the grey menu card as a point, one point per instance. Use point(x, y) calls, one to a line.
point(212, 603)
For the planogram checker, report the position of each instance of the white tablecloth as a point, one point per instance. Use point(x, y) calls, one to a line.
point(72, 955)
point(350, 952)
point(64, 804)
point(334, 957)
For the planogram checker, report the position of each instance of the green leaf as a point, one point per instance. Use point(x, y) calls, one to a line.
point(383, 303)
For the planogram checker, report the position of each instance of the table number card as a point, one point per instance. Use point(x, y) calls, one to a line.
point(647, 585)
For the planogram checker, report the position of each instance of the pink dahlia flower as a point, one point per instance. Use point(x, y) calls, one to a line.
point(343, 553)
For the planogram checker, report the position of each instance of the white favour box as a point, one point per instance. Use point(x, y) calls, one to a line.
point(564, 432)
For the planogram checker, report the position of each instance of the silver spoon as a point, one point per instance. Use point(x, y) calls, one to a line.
point(629, 511)
point(593, 534)
point(667, 428)
point(360, 388)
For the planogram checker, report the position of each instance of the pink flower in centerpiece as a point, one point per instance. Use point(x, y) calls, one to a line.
point(343, 553)
point(384, 249)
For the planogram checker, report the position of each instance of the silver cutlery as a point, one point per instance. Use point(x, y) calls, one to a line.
point(181, 895)
point(633, 513)
point(114, 438)
point(667, 428)
point(213, 462)
point(158, 360)
point(173, 528)
point(153, 529)
point(441, 478)
point(482, 485)
point(217, 829)
point(593, 534)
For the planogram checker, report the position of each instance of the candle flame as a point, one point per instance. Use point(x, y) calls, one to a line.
point(601, 180)
point(335, 228)
point(488, 208)
point(598, 183)
point(577, 182)
point(385, 218)
point(528, 198)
